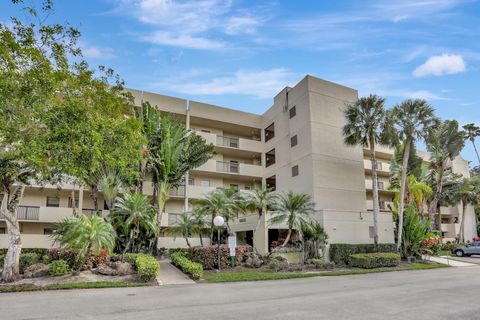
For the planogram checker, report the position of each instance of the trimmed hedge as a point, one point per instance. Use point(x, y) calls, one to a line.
point(374, 260)
point(59, 268)
point(207, 256)
point(194, 269)
point(40, 251)
point(340, 252)
point(147, 267)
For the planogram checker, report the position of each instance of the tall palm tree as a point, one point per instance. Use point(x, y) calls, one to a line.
point(214, 204)
point(367, 125)
point(260, 200)
point(473, 131)
point(314, 239)
point(133, 212)
point(87, 236)
point(444, 144)
point(293, 209)
point(414, 119)
point(201, 224)
point(185, 226)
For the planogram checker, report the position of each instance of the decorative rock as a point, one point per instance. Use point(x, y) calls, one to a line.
point(36, 270)
point(122, 268)
point(106, 270)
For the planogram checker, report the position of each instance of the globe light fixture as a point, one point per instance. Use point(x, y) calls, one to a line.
point(218, 221)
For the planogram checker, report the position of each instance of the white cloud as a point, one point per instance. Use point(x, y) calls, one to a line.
point(241, 24)
point(258, 83)
point(401, 10)
point(183, 40)
point(440, 65)
point(95, 52)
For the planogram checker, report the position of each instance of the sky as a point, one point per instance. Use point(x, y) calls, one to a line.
point(240, 54)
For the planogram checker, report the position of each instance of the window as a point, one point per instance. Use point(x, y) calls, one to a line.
point(293, 141)
point(371, 232)
point(205, 183)
point(293, 112)
point(234, 186)
point(271, 183)
point(53, 202)
point(381, 185)
point(48, 231)
point(248, 187)
point(381, 204)
point(2, 230)
point(206, 131)
point(70, 202)
point(269, 132)
point(295, 171)
point(191, 181)
point(269, 158)
point(379, 166)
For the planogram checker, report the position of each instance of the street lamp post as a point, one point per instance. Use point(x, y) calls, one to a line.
point(218, 221)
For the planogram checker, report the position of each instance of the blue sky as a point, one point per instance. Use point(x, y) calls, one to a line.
point(241, 53)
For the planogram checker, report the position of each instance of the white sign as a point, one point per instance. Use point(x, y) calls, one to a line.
point(232, 244)
point(232, 252)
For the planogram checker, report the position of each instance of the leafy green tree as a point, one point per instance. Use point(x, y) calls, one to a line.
point(132, 214)
point(444, 144)
point(414, 120)
point(472, 132)
point(367, 125)
point(294, 209)
point(185, 226)
point(86, 236)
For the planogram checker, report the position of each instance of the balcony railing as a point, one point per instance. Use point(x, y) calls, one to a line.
point(177, 192)
point(26, 213)
point(173, 218)
point(230, 167)
point(228, 142)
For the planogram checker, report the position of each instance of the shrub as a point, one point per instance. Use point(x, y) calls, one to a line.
point(320, 264)
point(374, 260)
point(130, 258)
point(59, 268)
point(2, 260)
point(185, 251)
point(147, 267)
point(340, 252)
point(194, 269)
point(68, 255)
point(46, 258)
point(207, 256)
point(94, 261)
point(274, 265)
point(39, 251)
point(27, 259)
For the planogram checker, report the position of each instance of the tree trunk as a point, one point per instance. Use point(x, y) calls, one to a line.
point(201, 238)
point(287, 239)
point(129, 242)
point(403, 182)
point(11, 270)
point(188, 243)
point(163, 188)
point(74, 206)
point(476, 151)
point(93, 195)
point(436, 198)
point(376, 205)
point(461, 236)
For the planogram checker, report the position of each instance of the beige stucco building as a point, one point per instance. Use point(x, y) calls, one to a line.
point(296, 145)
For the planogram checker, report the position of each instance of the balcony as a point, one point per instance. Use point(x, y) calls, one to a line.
point(231, 168)
point(228, 167)
point(177, 192)
point(232, 142)
point(383, 168)
point(382, 186)
point(198, 192)
point(384, 206)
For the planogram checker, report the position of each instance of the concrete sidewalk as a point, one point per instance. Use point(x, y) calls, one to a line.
point(169, 274)
point(448, 261)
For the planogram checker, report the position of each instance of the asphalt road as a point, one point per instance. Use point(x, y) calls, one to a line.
point(450, 293)
point(472, 259)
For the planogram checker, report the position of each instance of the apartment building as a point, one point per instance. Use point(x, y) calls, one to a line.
point(296, 145)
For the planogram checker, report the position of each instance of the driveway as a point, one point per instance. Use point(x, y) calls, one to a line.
point(475, 259)
point(450, 293)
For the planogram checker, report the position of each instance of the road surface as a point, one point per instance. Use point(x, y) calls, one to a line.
point(451, 293)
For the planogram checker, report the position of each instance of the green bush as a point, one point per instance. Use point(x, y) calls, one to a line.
point(130, 258)
point(59, 268)
point(194, 269)
point(147, 267)
point(2, 260)
point(340, 252)
point(274, 265)
point(27, 259)
point(374, 260)
point(39, 251)
point(320, 263)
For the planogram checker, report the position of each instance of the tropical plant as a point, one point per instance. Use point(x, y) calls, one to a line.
point(185, 226)
point(85, 236)
point(132, 214)
point(367, 125)
point(110, 183)
point(314, 240)
point(201, 224)
point(414, 120)
point(444, 144)
point(294, 209)
point(261, 201)
point(472, 131)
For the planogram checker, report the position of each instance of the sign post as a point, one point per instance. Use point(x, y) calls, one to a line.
point(232, 244)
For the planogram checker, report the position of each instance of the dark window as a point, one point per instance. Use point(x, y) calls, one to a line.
point(70, 202)
point(233, 166)
point(191, 181)
point(270, 158)
point(53, 202)
point(293, 112)
point(269, 132)
point(105, 205)
point(381, 204)
point(271, 183)
point(381, 185)
point(48, 231)
point(295, 171)
point(293, 141)
point(234, 186)
point(2, 230)
point(206, 131)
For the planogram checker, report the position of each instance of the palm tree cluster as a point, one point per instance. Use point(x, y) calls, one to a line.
point(369, 124)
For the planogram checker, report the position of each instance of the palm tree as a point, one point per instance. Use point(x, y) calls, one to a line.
point(260, 200)
point(314, 239)
point(414, 119)
point(86, 236)
point(110, 183)
point(185, 226)
point(294, 209)
point(201, 224)
point(444, 144)
point(133, 212)
point(367, 125)
point(472, 131)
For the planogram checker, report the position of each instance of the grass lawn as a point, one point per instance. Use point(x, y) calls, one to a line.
point(264, 275)
point(73, 285)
